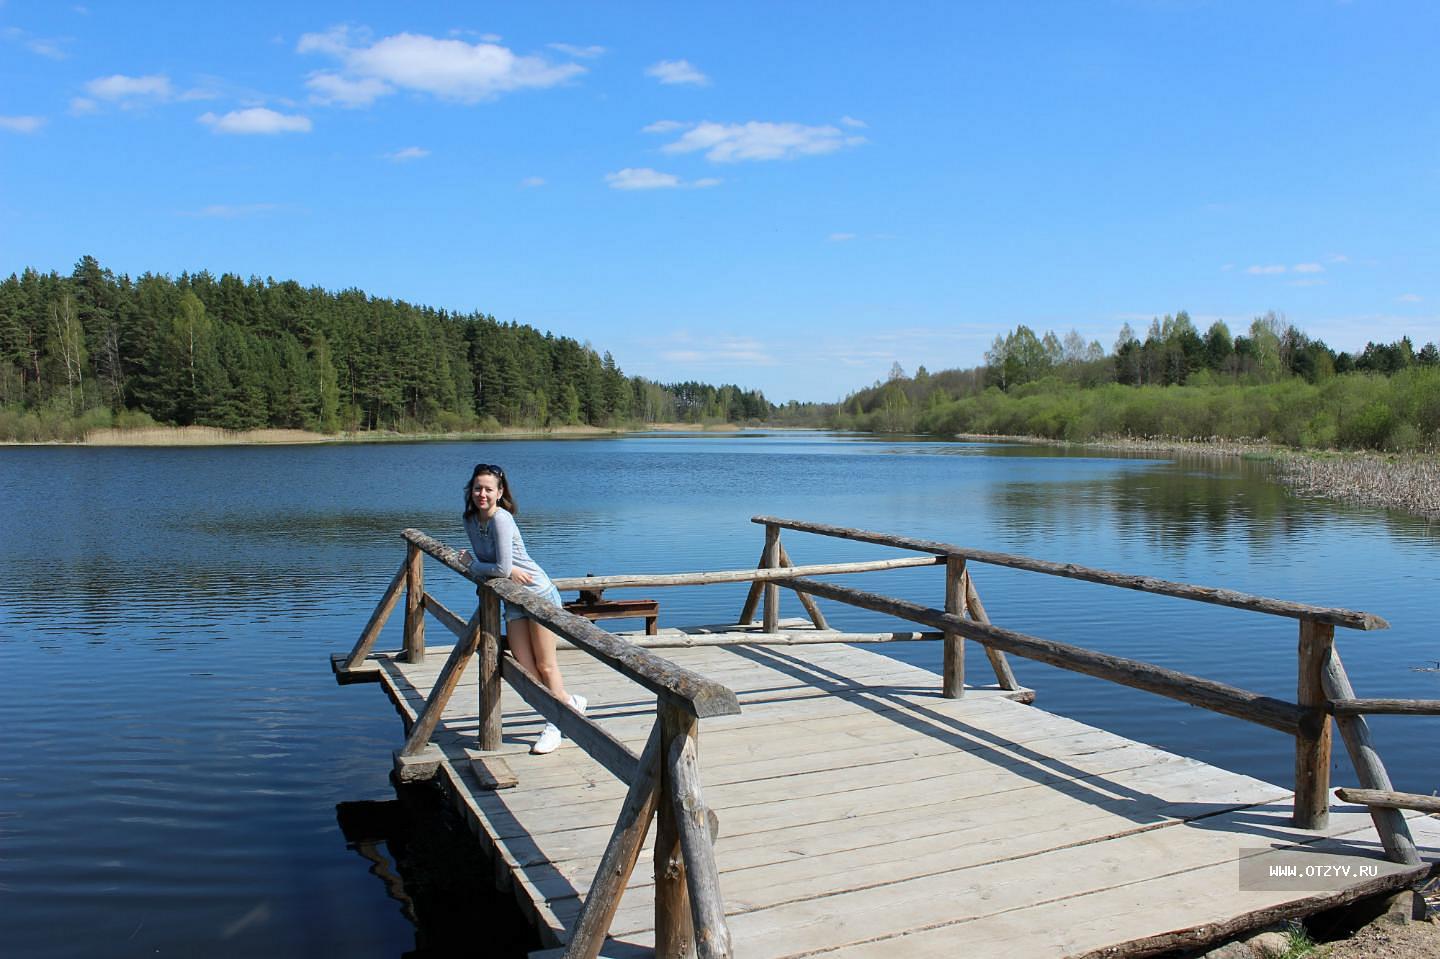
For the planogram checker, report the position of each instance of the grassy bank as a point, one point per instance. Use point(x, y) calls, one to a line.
point(1408, 482)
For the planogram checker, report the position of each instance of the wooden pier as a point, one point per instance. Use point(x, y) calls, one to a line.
point(843, 803)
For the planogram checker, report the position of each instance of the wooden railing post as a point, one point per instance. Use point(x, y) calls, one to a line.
point(1312, 740)
point(1389, 823)
point(953, 686)
point(693, 820)
point(414, 612)
point(489, 669)
point(674, 926)
point(772, 590)
point(816, 617)
point(1004, 675)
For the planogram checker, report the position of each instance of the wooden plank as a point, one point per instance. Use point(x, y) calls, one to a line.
point(443, 689)
point(1218, 697)
point(1394, 707)
point(1350, 619)
point(493, 772)
point(1389, 799)
point(758, 575)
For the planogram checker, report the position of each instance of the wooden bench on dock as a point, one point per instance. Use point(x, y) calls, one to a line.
point(593, 606)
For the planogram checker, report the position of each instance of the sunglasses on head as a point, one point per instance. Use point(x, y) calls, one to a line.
point(487, 468)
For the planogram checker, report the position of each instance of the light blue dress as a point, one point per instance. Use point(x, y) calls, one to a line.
point(497, 547)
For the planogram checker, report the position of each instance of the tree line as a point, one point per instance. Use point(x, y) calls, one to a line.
point(96, 349)
point(1270, 382)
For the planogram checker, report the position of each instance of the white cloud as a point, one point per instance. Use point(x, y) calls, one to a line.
point(664, 126)
point(532, 181)
point(1309, 268)
point(1408, 298)
point(571, 50)
point(1264, 270)
point(409, 153)
point(644, 178)
point(256, 120)
point(677, 71)
point(131, 91)
point(52, 48)
point(446, 68)
point(731, 142)
point(21, 124)
point(331, 89)
point(852, 122)
point(1338, 258)
point(1313, 281)
point(840, 237)
point(80, 106)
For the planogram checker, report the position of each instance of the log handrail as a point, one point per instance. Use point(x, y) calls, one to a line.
point(703, 578)
point(1229, 700)
point(664, 781)
point(1348, 618)
point(1389, 799)
point(694, 692)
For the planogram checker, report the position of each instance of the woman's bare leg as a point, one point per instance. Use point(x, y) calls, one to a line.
point(534, 648)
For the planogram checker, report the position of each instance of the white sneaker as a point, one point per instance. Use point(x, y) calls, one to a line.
point(550, 736)
point(548, 742)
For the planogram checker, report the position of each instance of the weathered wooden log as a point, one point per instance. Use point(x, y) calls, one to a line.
point(662, 677)
point(752, 598)
point(490, 674)
point(414, 651)
point(771, 615)
point(371, 632)
point(447, 618)
point(1240, 703)
point(811, 609)
point(797, 637)
point(757, 575)
point(1312, 740)
point(1388, 799)
point(1004, 675)
point(605, 749)
point(1394, 707)
point(674, 920)
point(692, 820)
point(1350, 619)
point(587, 936)
point(952, 684)
point(445, 684)
point(1389, 823)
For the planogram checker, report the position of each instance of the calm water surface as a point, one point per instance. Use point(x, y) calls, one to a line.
point(182, 776)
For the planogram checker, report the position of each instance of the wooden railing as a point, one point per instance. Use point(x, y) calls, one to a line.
point(664, 779)
point(1323, 689)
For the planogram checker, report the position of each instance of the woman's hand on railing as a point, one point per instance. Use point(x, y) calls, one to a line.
point(520, 576)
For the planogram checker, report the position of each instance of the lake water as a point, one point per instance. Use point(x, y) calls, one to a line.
point(182, 776)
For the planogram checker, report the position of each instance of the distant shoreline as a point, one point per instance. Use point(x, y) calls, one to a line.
point(214, 436)
point(1405, 482)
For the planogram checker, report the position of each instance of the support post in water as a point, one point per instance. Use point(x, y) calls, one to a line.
point(1312, 740)
point(414, 611)
point(954, 683)
point(772, 591)
point(674, 925)
point(489, 669)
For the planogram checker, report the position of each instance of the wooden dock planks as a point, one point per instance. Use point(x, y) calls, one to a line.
point(860, 811)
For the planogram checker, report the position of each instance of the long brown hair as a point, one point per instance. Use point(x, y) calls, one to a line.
point(507, 501)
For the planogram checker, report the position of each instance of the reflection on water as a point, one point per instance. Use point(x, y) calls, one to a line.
point(176, 748)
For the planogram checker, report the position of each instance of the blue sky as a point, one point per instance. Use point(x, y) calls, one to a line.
point(791, 196)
